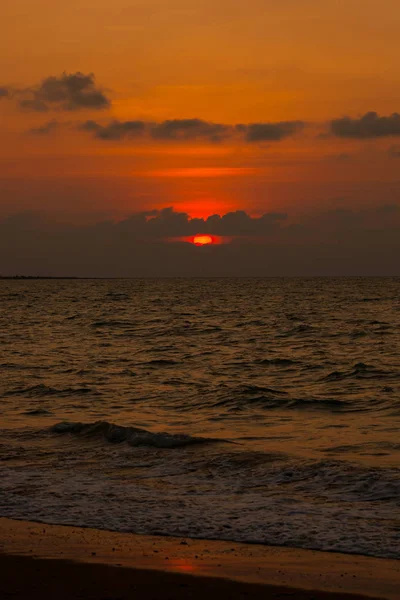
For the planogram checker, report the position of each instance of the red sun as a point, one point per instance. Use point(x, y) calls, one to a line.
point(202, 240)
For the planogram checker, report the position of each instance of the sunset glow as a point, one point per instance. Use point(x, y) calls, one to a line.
point(202, 240)
point(199, 294)
point(282, 139)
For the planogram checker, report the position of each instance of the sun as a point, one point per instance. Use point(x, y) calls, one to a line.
point(202, 240)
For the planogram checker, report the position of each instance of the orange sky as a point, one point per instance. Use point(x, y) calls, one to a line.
point(228, 62)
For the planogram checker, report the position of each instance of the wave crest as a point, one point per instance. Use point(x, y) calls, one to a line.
point(117, 434)
point(41, 390)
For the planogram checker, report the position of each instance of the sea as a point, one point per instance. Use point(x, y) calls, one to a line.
point(253, 410)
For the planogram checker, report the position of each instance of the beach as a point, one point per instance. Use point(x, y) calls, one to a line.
point(48, 561)
point(249, 441)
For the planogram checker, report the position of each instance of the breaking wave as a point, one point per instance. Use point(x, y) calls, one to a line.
point(293, 386)
point(117, 434)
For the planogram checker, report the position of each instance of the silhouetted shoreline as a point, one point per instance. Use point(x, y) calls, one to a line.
point(23, 277)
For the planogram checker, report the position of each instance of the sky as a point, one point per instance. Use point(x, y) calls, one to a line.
point(126, 126)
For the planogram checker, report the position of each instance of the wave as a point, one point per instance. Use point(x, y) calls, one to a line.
point(117, 296)
point(263, 398)
point(269, 398)
point(302, 329)
point(367, 448)
point(117, 434)
point(361, 371)
point(272, 402)
point(41, 390)
point(112, 323)
point(376, 299)
point(37, 412)
point(276, 362)
point(19, 367)
point(161, 362)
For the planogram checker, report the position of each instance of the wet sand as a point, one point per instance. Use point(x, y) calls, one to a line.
point(47, 561)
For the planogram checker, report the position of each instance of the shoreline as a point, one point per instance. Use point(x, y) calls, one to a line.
point(34, 549)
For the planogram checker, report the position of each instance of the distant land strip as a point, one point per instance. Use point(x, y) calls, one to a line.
point(37, 277)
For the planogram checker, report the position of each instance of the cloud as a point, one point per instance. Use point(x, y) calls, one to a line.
point(168, 223)
point(116, 130)
point(239, 223)
point(270, 132)
point(342, 242)
point(175, 130)
point(192, 129)
point(70, 92)
point(3, 92)
point(46, 128)
point(371, 125)
point(389, 210)
point(189, 129)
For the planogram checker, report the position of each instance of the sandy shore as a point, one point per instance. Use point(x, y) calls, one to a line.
point(36, 562)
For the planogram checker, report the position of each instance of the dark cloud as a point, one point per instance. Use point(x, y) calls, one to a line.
point(189, 129)
point(4, 92)
point(116, 130)
point(31, 102)
point(389, 210)
point(70, 91)
point(46, 128)
point(192, 129)
point(177, 129)
point(239, 223)
point(371, 125)
point(340, 218)
point(342, 242)
point(167, 223)
point(270, 132)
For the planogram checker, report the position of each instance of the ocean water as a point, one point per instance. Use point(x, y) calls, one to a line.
point(256, 410)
